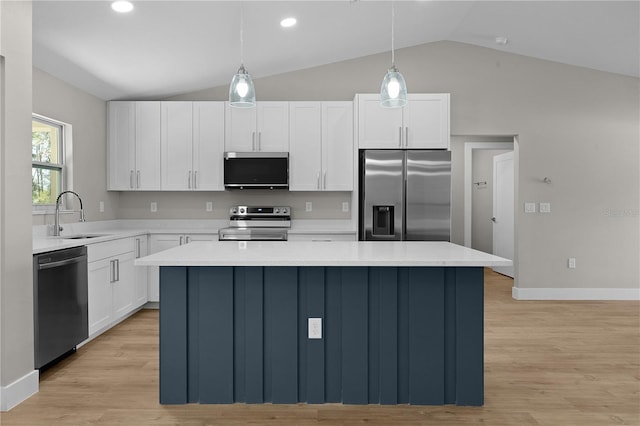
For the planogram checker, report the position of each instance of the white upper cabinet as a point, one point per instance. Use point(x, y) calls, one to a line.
point(305, 155)
point(134, 145)
point(177, 145)
point(147, 146)
point(321, 146)
point(422, 124)
point(192, 144)
point(263, 128)
point(208, 146)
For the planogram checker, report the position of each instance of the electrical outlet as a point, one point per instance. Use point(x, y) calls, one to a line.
point(101, 208)
point(308, 206)
point(529, 207)
point(345, 207)
point(209, 206)
point(315, 328)
point(545, 207)
point(572, 263)
point(154, 207)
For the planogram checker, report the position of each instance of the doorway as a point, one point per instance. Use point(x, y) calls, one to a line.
point(479, 187)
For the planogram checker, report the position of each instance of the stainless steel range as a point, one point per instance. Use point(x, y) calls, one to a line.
point(251, 223)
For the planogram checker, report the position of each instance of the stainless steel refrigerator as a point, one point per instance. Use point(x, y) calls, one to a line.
point(405, 195)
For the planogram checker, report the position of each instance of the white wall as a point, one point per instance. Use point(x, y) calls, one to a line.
point(16, 285)
point(87, 115)
point(575, 125)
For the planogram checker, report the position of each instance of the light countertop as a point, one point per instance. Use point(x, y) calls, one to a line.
point(112, 230)
point(312, 253)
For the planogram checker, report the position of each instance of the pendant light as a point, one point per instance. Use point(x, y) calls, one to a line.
point(242, 94)
point(393, 93)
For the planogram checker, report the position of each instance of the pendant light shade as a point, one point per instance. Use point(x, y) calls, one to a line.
point(242, 93)
point(393, 93)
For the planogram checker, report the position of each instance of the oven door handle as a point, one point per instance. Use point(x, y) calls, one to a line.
point(61, 263)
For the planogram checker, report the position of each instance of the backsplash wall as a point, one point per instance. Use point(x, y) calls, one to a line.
point(191, 205)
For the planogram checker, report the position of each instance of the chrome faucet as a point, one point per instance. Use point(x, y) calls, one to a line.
point(56, 227)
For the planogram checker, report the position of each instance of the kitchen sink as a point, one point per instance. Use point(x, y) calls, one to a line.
point(82, 236)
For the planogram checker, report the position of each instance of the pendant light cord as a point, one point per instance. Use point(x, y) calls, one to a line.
point(242, 34)
point(393, 16)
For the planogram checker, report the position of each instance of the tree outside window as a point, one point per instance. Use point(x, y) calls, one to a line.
point(47, 169)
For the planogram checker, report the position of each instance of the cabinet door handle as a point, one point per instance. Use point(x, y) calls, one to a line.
point(253, 141)
point(318, 180)
point(112, 271)
point(138, 179)
point(195, 180)
point(131, 180)
point(137, 248)
point(406, 137)
point(187, 239)
point(324, 180)
point(259, 141)
point(189, 180)
point(117, 262)
point(181, 238)
point(400, 137)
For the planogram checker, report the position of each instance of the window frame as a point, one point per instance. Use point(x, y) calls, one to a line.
point(63, 159)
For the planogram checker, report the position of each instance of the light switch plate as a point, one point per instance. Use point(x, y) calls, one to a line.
point(345, 207)
point(101, 206)
point(209, 206)
point(545, 207)
point(529, 207)
point(154, 207)
point(308, 206)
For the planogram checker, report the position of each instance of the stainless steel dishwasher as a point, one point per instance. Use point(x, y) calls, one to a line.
point(60, 303)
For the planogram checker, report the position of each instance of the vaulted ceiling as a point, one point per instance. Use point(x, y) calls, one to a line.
point(164, 48)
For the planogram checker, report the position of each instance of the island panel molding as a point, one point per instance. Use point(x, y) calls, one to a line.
point(391, 335)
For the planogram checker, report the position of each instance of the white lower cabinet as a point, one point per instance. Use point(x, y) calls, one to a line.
point(141, 272)
point(112, 283)
point(161, 242)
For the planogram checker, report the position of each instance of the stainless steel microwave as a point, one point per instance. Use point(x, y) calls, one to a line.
point(256, 170)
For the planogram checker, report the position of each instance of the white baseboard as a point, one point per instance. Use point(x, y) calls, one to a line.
point(18, 391)
point(575, 293)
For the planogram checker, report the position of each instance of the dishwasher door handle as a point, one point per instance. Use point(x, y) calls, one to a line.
point(61, 263)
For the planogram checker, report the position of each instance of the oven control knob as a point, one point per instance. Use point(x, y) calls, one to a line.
point(242, 210)
point(277, 210)
point(234, 210)
point(285, 211)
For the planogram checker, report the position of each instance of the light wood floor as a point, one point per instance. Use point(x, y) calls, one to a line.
point(546, 363)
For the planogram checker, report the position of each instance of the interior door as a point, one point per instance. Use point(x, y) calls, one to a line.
point(503, 210)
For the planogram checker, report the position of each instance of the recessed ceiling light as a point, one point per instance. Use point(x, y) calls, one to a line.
point(122, 6)
point(288, 22)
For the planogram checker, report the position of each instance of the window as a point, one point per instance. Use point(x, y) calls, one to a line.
point(47, 157)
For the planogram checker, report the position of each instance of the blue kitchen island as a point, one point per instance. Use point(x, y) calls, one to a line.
point(402, 322)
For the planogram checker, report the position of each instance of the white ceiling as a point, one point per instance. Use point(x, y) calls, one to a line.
point(164, 48)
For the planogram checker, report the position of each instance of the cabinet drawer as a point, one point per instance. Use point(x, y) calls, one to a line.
point(110, 248)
